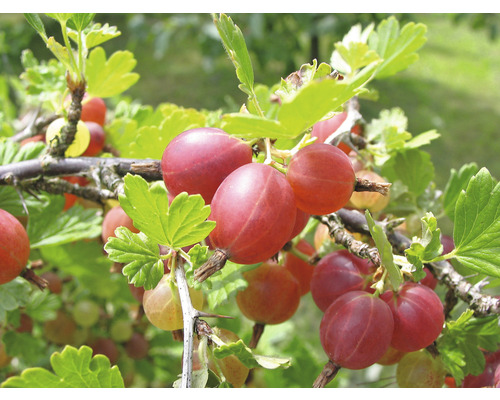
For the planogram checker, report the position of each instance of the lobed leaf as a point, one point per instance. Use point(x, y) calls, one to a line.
point(110, 77)
point(476, 230)
point(427, 247)
point(460, 342)
point(49, 226)
point(13, 295)
point(413, 167)
point(141, 256)
point(73, 368)
point(457, 182)
point(396, 46)
point(181, 224)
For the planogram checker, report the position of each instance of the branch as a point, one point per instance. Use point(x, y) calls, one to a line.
point(189, 316)
point(58, 147)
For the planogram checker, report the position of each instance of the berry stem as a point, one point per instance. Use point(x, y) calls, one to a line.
point(258, 330)
point(329, 372)
point(214, 264)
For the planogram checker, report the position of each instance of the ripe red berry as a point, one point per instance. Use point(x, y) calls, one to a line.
point(272, 295)
point(14, 247)
point(115, 218)
point(356, 330)
point(93, 110)
point(335, 274)
point(254, 210)
point(418, 316)
point(322, 178)
point(199, 159)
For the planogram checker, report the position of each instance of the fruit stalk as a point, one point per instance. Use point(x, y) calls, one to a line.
point(329, 372)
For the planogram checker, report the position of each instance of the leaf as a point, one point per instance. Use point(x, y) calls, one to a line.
point(397, 47)
point(224, 285)
point(236, 48)
point(73, 368)
point(62, 18)
point(460, 342)
point(84, 261)
point(319, 97)
point(13, 294)
point(110, 77)
point(61, 52)
point(385, 249)
point(36, 22)
point(353, 53)
point(43, 305)
point(141, 257)
point(427, 247)
point(181, 224)
point(412, 167)
point(31, 349)
point(246, 356)
point(457, 182)
point(79, 21)
point(252, 126)
point(49, 226)
point(476, 230)
point(422, 139)
point(150, 141)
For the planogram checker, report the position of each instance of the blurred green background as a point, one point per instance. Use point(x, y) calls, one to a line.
point(452, 88)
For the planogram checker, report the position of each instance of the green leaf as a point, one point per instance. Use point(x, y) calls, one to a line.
point(79, 21)
point(31, 349)
point(236, 48)
point(36, 22)
point(62, 18)
point(252, 126)
point(457, 182)
point(353, 53)
point(43, 305)
point(49, 226)
point(319, 97)
point(427, 247)
point(141, 257)
point(151, 140)
point(225, 285)
point(385, 250)
point(422, 139)
point(460, 342)
point(73, 368)
point(61, 52)
point(96, 35)
point(397, 47)
point(181, 224)
point(412, 167)
point(476, 230)
point(110, 77)
point(84, 261)
point(246, 356)
point(13, 294)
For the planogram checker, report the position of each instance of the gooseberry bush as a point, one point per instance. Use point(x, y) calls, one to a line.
point(290, 242)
